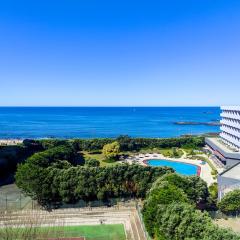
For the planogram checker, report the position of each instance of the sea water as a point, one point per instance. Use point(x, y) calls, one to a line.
point(94, 122)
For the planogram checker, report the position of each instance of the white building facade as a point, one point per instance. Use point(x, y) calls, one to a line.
point(230, 126)
point(226, 147)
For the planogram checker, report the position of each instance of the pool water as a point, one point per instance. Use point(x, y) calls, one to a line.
point(182, 168)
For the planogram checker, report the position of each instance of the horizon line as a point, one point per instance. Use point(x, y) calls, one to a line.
point(106, 106)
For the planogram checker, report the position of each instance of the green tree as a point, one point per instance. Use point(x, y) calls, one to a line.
point(193, 186)
point(127, 143)
point(92, 163)
point(213, 196)
point(181, 221)
point(230, 203)
point(213, 190)
point(111, 150)
point(175, 153)
point(159, 197)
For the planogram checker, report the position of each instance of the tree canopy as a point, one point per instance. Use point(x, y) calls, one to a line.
point(161, 194)
point(181, 221)
point(193, 186)
point(92, 163)
point(51, 177)
point(111, 150)
point(170, 212)
point(230, 203)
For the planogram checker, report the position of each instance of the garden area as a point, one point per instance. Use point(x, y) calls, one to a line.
point(60, 172)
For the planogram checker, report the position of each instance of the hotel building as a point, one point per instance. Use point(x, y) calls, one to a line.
point(227, 146)
point(230, 126)
point(226, 150)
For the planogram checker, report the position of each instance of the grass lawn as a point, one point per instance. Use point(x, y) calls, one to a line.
point(168, 152)
point(91, 232)
point(106, 232)
point(98, 156)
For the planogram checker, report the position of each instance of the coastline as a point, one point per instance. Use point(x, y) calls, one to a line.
point(14, 141)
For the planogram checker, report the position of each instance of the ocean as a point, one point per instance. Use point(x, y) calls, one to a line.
point(100, 122)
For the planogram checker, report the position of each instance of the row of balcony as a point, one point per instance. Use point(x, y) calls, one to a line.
point(231, 123)
point(232, 115)
point(231, 130)
point(231, 139)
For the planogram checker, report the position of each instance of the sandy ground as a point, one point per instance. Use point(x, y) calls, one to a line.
point(232, 223)
point(5, 142)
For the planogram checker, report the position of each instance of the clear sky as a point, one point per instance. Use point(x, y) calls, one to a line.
point(119, 53)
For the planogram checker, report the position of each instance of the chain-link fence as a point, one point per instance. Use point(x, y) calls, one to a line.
point(139, 210)
point(12, 199)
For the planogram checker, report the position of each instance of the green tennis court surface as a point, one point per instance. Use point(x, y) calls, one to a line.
point(93, 232)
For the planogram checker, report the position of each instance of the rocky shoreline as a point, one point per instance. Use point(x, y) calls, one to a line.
point(215, 123)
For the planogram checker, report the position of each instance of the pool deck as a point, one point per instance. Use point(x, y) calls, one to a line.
point(205, 172)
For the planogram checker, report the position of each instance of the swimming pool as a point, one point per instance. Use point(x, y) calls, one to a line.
point(179, 167)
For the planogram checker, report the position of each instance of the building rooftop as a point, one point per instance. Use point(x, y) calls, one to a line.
point(232, 172)
point(224, 147)
point(231, 108)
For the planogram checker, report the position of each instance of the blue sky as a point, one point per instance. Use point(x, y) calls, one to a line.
point(119, 53)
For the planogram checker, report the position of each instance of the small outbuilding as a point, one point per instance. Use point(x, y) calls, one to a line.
point(229, 180)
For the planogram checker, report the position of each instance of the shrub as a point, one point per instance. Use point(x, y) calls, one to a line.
point(214, 172)
point(230, 203)
point(213, 190)
point(92, 163)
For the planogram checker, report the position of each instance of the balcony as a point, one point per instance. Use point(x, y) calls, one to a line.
point(230, 123)
point(230, 139)
point(231, 131)
point(230, 115)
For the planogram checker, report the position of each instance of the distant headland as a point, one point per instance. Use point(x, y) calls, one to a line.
point(214, 123)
